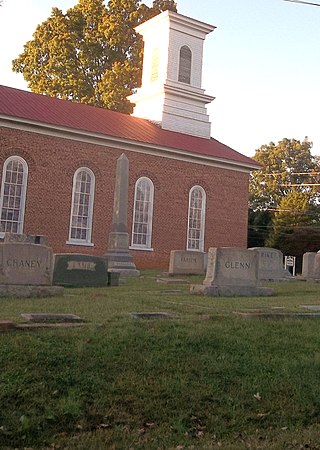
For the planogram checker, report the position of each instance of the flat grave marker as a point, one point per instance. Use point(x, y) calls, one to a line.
point(151, 315)
point(51, 317)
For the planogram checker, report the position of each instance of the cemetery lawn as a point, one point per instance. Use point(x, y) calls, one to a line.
point(206, 378)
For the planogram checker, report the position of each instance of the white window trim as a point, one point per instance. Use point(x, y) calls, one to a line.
point(145, 249)
point(86, 242)
point(146, 246)
point(23, 191)
point(79, 242)
point(203, 219)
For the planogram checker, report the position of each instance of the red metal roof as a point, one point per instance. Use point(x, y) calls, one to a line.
point(46, 110)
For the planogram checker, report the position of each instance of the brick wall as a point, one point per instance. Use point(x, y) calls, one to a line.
point(52, 162)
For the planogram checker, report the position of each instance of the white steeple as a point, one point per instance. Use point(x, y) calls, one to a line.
point(171, 92)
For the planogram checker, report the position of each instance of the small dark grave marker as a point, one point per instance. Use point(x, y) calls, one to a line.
point(36, 325)
point(6, 325)
point(278, 316)
point(151, 315)
point(113, 278)
point(266, 308)
point(172, 281)
point(172, 291)
point(51, 317)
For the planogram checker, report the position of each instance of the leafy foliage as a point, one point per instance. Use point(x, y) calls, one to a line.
point(285, 165)
point(285, 193)
point(293, 212)
point(91, 54)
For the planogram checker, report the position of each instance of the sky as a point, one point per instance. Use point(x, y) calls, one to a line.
point(261, 63)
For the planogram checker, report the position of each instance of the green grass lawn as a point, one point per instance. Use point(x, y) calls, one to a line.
point(206, 378)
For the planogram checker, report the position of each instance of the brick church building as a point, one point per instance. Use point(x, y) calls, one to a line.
point(186, 190)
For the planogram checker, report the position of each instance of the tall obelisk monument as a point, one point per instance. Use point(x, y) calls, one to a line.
point(119, 258)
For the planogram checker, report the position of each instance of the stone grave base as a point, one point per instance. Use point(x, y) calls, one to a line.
point(172, 281)
point(20, 290)
point(7, 325)
point(231, 291)
point(278, 316)
point(151, 315)
point(51, 317)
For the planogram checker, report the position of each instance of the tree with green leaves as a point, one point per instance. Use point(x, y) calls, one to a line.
point(91, 54)
point(284, 165)
point(293, 211)
point(284, 195)
point(295, 226)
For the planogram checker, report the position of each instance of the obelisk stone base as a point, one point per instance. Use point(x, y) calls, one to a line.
point(119, 258)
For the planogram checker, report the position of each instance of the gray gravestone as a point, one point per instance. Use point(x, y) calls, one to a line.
point(26, 267)
point(316, 266)
point(22, 263)
point(78, 270)
point(308, 265)
point(184, 262)
point(270, 264)
point(231, 272)
point(26, 238)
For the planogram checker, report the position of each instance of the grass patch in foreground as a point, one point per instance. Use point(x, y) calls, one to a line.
point(203, 379)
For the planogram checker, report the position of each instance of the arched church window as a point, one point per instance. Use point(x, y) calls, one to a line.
point(142, 214)
point(80, 229)
point(196, 219)
point(185, 65)
point(13, 195)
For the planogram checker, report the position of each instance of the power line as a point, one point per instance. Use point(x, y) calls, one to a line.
point(301, 1)
point(273, 174)
point(299, 184)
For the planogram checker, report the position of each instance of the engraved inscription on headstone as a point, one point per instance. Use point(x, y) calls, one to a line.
point(231, 266)
point(270, 265)
point(23, 263)
point(231, 272)
point(184, 262)
point(81, 265)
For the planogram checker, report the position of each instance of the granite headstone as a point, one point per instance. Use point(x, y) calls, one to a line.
point(79, 270)
point(308, 260)
point(183, 262)
point(26, 267)
point(231, 272)
point(25, 263)
point(270, 264)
